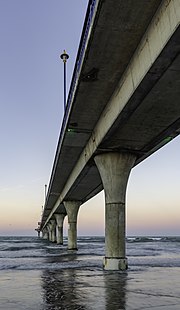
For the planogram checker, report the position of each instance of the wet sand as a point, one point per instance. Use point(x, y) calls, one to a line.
point(38, 275)
point(90, 288)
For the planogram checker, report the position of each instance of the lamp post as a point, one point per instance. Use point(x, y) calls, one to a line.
point(64, 57)
point(45, 192)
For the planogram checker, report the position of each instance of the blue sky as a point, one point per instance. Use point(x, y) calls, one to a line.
point(33, 34)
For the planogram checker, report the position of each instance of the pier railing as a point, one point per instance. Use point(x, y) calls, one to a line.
point(89, 20)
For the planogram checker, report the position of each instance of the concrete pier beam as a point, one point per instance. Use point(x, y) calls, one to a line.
point(60, 220)
point(72, 208)
point(114, 169)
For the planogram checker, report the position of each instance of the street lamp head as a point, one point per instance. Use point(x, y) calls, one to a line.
point(64, 56)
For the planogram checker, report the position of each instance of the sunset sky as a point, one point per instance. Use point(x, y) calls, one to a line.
point(33, 34)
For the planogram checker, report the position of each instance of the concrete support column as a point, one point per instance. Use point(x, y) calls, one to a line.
point(72, 208)
point(45, 234)
point(114, 169)
point(53, 230)
point(49, 227)
point(60, 220)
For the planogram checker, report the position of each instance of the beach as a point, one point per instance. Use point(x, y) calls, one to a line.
point(36, 274)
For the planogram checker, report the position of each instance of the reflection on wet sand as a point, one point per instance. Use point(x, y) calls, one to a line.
point(83, 289)
point(60, 290)
point(115, 288)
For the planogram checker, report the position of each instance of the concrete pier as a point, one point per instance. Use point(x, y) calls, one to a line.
point(123, 101)
point(53, 230)
point(114, 169)
point(45, 234)
point(72, 208)
point(49, 227)
point(60, 220)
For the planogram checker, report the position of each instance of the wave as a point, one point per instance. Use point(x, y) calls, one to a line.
point(89, 239)
point(152, 239)
point(170, 239)
point(11, 249)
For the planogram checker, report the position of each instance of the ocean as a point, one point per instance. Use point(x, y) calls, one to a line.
point(38, 275)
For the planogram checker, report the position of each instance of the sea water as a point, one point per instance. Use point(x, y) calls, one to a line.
point(38, 275)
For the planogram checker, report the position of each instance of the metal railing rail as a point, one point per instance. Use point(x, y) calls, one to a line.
point(89, 19)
